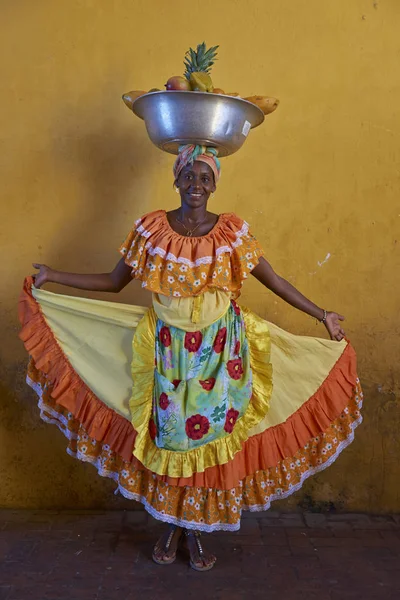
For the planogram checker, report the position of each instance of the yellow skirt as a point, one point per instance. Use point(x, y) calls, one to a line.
point(96, 386)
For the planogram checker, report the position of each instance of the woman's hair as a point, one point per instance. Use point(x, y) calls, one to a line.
point(190, 152)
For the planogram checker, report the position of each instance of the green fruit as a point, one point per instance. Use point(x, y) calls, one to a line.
point(201, 82)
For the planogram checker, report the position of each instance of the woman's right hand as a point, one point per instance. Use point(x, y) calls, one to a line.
point(43, 276)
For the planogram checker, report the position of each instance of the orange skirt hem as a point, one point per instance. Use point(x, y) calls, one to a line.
point(103, 424)
point(205, 509)
point(67, 388)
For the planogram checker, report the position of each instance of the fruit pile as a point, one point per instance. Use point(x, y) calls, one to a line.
point(197, 78)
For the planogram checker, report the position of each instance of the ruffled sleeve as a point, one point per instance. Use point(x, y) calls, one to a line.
point(133, 249)
point(175, 265)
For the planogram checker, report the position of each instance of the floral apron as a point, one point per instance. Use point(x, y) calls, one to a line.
point(203, 382)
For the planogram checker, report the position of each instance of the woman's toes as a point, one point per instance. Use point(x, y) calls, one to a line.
point(210, 560)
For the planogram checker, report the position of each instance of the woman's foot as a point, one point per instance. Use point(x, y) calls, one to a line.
point(164, 552)
point(199, 559)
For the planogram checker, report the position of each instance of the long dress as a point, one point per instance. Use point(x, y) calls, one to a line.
point(196, 407)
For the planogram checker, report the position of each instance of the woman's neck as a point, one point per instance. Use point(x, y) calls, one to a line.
point(192, 215)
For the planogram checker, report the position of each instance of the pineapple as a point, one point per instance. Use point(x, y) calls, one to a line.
point(198, 66)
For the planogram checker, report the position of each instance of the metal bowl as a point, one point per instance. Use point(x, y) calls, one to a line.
point(174, 118)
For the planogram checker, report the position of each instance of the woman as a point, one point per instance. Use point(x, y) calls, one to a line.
point(227, 412)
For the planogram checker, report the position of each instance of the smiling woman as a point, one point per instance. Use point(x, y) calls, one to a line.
point(195, 183)
point(196, 171)
point(226, 412)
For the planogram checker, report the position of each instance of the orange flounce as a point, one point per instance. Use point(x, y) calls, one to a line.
point(67, 388)
point(270, 466)
point(196, 507)
point(175, 265)
point(50, 367)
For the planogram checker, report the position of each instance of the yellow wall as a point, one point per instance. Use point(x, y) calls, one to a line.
point(320, 176)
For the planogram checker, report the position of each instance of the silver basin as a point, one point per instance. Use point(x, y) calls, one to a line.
point(173, 118)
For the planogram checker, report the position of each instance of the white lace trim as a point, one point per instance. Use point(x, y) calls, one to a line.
point(140, 229)
point(310, 472)
point(204, 260)
point(60, 420)
point(56, 417)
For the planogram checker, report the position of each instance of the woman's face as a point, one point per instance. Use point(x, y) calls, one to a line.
point(196, 183)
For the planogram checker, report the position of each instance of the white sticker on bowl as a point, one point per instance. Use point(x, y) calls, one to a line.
point(246, 128)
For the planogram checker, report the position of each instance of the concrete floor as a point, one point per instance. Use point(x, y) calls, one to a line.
point(107, 555)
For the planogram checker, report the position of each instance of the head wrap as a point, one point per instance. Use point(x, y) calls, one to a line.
point(189, 153)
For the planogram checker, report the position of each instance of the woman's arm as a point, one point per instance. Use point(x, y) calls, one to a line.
point(114, 281)
point(285, 290)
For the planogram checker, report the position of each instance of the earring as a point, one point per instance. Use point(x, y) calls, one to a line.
point(212, 194)
point(177, 190)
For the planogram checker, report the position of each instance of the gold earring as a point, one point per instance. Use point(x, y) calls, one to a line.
point(177, 190)
point(212, 194)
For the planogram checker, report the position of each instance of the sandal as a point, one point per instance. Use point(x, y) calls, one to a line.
point(165, 546)
point(193, 543)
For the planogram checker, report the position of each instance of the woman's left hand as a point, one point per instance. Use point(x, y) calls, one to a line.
point(334, 327)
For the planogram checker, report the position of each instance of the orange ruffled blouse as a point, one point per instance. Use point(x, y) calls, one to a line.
point(175, 265)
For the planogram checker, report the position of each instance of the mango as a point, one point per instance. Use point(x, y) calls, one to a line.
point(267, 105)
point(130, 97)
